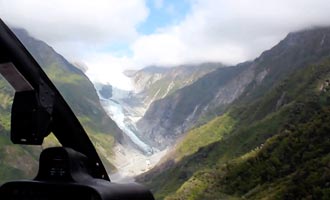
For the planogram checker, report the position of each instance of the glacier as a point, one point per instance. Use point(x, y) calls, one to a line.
point(115, 110)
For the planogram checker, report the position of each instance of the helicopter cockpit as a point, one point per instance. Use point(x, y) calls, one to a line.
point(72, 171)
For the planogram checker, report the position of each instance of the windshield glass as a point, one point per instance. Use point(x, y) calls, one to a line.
point(197, 99)
point(17, 161)
point(79, 93)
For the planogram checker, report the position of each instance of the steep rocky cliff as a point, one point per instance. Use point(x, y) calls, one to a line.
point(153, 83)
point(167, 119)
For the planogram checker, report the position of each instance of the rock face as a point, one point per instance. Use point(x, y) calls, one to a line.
point(170, 117)
point(106, 91)
point(153, 83)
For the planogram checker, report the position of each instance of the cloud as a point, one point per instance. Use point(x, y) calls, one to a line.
point(76, 25)
point(229, 31)
point(105, 68)
point(104, 33)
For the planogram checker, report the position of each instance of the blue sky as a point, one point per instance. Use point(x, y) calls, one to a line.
point(163, 13)
point(110, 36)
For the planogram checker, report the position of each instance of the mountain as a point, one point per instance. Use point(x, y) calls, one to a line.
point(80, 94)
point(127, 107)
point(270, 142)
point(73, 84)
point(167, 119)
point(154, 82)
point(150, 84)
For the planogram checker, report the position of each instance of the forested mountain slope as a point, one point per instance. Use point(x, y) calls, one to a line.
point(167, 119)
point(272, 142)
point(21, 161)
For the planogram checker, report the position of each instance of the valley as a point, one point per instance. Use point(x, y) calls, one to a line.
point(236, 130)
point(255, 130)
point(134, 154)
point(264, 144)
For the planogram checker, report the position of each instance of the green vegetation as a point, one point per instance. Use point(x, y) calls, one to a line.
point(103, 144)
point(275, 146)
point(18, 161)
point(8, 173)
point(59, 75)
point(207, 134)
point(296, 158)
point(80, 94)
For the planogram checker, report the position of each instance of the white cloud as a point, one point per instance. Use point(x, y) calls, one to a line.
point(72, 25)
point(229, 31)
point(105, 68)
point(161, 48)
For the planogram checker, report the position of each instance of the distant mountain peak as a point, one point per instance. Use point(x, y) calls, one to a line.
point(155, 69)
